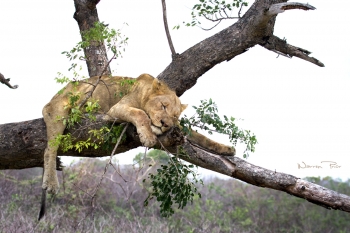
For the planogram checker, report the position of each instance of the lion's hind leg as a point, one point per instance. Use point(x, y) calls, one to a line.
point(53, 129)
point(210, 145)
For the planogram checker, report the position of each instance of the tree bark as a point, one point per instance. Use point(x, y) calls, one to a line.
point(95, 55)
point(22, 144)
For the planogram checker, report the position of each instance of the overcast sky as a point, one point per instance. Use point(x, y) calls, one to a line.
point(298, 111)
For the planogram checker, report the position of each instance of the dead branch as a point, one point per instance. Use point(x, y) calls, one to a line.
point(281, 7)
point(6, 81)
point(281, 47)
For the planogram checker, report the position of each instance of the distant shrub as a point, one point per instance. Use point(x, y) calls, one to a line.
point(225, 206)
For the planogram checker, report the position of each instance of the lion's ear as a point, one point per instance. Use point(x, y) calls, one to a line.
point(156, 85)
point(183, 107)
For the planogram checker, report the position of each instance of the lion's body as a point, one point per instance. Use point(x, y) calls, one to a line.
point(145, 102)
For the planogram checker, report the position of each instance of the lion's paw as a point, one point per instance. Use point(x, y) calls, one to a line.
point(51, 185)
point(156, 130)
point(148, 140)
point(227, 150)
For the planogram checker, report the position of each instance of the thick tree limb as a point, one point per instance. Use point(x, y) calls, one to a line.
point(254, 28)
point(23, 144)
point(255, 175)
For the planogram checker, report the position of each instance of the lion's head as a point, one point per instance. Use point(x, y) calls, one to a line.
point(163, 107)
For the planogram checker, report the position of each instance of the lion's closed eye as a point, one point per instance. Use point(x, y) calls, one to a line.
point(164, 106)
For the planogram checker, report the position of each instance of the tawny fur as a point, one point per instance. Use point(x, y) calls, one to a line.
point(148, 104)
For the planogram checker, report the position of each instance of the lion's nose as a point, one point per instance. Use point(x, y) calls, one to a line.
point(163, 123)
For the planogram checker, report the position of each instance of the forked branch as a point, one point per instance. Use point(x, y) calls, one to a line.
point(255, 27)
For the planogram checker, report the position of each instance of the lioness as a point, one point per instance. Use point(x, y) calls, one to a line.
point(147, 103)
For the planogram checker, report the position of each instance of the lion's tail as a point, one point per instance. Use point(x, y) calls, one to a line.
point(43, 203)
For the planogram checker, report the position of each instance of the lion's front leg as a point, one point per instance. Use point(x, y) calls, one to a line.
point(138, 118)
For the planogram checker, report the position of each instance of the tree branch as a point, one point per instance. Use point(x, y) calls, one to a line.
point(6, 81)
point(281, 47)
point(165, 20)
point(258, 176)
point(281, 7)
point(253, 28)
point(26, 141)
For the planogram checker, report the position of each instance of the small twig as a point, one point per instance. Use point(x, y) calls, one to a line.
point(202, 127)
point(282, 54)
point(120, 138)
point(208, 29)
point(218, 19)
point(108, 163)
point(87, 193)
point(173, 53)
point(121, 186)
point(117, 171)
point(95, 85)
point(239, 12)
point(83, 81)
point(168, 153)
